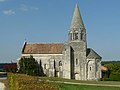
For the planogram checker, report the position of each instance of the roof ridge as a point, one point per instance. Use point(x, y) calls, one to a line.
point(43, 48)
point(47, 43)
point(92, 54)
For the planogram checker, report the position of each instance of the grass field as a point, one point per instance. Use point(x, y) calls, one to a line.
point(25, 82)
point(78, 81)
point(84, 87)
point(63, 86)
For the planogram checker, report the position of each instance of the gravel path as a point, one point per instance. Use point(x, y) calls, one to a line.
point(84, 83)
point(2, 86)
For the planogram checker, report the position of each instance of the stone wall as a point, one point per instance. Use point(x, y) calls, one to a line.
point(93, 69)
point(49, 62)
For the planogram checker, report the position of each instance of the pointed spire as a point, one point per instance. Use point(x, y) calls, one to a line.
point(77, 21)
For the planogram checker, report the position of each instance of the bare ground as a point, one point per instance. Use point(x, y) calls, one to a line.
point(5, 81)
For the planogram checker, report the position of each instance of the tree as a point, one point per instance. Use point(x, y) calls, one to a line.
point(10, 67)
point(29, 66)
point(114, 71)
point(114, 68)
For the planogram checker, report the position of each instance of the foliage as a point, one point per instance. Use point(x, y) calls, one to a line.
point(108, 62)
point(25, 82)
point(2, 65)
point(29, 66)
point(114, 70)
point(10, 67)
point(1, 70)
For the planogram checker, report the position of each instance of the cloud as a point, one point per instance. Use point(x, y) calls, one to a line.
point(34, 8)
point(22, 7)
point(25, 8)
point(9, 12)
point(2, 0)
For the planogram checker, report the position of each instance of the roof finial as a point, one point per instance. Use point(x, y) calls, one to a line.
point(76, 4)
point(25, 41)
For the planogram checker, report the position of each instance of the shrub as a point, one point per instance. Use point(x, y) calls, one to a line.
point(113, 77)
point(25, 82)
point(29, 66)
point(10, 67)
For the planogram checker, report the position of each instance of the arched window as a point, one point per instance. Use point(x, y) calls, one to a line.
point(90, 68)
point(71, 36)
point(60, 63)
point(82, 36)
point(76, 36)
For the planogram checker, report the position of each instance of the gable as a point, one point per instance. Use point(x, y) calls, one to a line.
point(91, 54)
point(43, 48)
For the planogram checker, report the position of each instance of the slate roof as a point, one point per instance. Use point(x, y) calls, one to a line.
point(91, 54)
point(77, 21)
point(43, 48)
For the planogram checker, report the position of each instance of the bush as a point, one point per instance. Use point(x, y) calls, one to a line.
point(29, 66)
point(113, 77)
point(25, 82)
point(10, 67)
point(114, 71)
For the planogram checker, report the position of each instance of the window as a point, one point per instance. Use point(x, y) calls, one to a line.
point(45, 66)
point(76, 61)
point(71, 36)
point(65, 49)
point(90, 68)
point(60, 63)
point(81, 36)
point(76, 36)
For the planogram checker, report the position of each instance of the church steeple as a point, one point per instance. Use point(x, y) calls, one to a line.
point(77, 30)
point(77, 21)
point(77, 46)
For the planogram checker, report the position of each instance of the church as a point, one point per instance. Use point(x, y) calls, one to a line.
point(70, 60)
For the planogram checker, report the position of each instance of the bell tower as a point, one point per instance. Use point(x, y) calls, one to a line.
point(77, 30)
point(77, 43)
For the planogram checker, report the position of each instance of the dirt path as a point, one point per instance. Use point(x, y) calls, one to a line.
point(2, 86)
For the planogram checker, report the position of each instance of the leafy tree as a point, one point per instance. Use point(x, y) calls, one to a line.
point(28, 66)
point(114, 70)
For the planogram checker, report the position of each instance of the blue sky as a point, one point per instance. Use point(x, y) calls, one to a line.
point(49, 21)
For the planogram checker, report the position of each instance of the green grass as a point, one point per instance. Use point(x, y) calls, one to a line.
point(25, 82)
point(78, 81)
point(84, 87)
point(63, 86)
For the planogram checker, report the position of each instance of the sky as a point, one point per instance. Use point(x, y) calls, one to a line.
point(38, 21)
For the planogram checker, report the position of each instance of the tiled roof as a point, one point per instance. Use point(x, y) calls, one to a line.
point(91, 54)
point(103, 68)
point(43, 48)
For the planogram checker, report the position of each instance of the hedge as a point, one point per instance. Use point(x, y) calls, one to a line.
point(113, 77)
point(25, 82)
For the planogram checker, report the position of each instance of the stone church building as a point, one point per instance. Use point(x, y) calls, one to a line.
point(72, 59)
